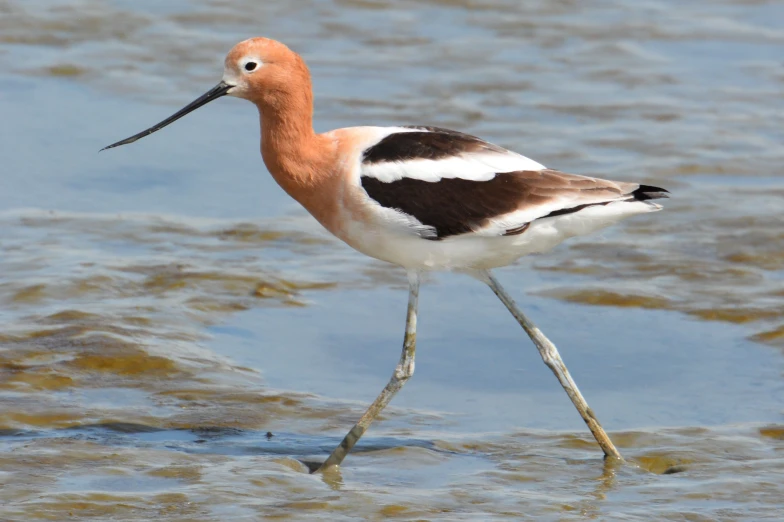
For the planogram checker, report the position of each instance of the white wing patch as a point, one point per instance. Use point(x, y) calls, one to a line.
point(476, 166)
point(480, 165)
point(503, 223)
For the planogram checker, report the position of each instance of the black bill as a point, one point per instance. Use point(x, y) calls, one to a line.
point(213, 94)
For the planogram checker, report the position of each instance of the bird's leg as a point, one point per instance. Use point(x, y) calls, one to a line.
point(553, 360)
point(403, 371)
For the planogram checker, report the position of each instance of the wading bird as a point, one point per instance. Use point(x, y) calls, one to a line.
point(423, 198)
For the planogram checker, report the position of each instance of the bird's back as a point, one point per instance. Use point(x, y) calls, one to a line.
point(436, 198)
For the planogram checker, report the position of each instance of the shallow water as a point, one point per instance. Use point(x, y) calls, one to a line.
point(177, 335)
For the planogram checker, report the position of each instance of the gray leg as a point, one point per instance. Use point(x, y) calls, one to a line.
point(553, 360)
point(403, 371)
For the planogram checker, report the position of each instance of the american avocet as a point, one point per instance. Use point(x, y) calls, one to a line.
point(424, 198)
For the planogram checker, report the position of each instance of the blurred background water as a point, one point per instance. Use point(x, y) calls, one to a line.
point(177, 333)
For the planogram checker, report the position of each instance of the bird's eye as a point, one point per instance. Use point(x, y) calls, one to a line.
point(250, 66)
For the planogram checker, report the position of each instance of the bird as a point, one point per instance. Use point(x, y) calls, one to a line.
point(422, 197)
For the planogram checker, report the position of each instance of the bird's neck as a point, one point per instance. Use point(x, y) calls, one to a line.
point(302, 162)
point(294, 154)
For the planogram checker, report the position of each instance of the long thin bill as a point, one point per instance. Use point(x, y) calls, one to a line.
point(213, 94)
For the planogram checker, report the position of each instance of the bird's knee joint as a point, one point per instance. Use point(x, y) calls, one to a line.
point(549, 360)
point(404, 371)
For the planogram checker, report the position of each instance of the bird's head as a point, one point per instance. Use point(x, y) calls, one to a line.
point(260, 70)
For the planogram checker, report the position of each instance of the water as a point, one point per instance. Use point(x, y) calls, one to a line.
point(178, 335)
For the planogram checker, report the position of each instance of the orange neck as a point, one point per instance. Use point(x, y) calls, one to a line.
point(302, 162)
point(293, 153)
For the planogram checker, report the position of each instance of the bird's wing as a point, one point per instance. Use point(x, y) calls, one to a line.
point(446, 183)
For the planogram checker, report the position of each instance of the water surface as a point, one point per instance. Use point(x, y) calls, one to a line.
point(178, 335)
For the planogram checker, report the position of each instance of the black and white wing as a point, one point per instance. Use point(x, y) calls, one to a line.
point(446, 183)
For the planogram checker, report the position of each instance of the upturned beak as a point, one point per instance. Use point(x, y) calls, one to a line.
point(213, 94)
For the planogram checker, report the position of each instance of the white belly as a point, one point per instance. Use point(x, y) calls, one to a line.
point(473, 251)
